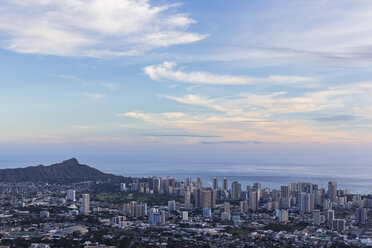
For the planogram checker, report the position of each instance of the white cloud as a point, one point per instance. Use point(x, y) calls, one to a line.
point(92, 28)
point(331, 32)
point(240, 128)
point(95, 96)
point(349, 99)
point(272, 117)
point(167, 70)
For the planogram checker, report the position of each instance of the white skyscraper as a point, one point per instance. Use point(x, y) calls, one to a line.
point(172, 205)
point(122, 186)
point(185, 215)
point(316, 217)
point(282, 215)
point(71, 195)
point(85, 204)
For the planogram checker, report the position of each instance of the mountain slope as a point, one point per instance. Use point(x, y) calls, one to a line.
point(67, 170)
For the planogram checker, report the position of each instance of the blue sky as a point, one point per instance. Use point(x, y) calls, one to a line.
point(235, 75)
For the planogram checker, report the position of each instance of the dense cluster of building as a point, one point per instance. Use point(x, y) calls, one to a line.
point(298, 214)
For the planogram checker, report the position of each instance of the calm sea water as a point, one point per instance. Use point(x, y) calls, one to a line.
point(356, 176)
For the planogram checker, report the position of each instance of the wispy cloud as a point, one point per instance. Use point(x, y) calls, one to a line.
point(336, 118)
point(110, 86)
point(69, 77)
point(95, 96)
point(167, 70)
point(182, 135)
point(236, 128)
point(327, 32)
point(234, 142)
point(93, 28)
point(82, 127)
point(271, 117)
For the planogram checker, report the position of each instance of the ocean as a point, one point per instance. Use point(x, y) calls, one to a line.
point(355, 176)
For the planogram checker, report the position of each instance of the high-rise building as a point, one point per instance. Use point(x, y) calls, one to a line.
point(187, 198)
point(257, 187)
point(71, 195)
point(207, 212)
point(225, 216)
point(253, 200)
point(85, 204)
point(164, 185)
point(172, 205)
point(332, 190)
point(282, 215)
point(330, 216)
point(226, 207)
point(285, 190)
point(316, 217)
point(198, 198)
point(285, 202)
point(185, 215)
point(305, 202)
point(215, 183)
point(319, 196)
point(140, 211)
point(156, 217)
point(338, 225)
point(135, 184)
point(133, 208)
point(361, 215)
point(156, 185)
point(122, 187)
point(236, 189)
point(225, 184)
point(208, 198)
point(244, 206)
point(172, 182)
point(199, 183)
point(188, 182)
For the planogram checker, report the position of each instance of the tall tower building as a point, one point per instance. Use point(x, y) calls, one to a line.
point(208, 198)
point(199, 183)
point(226, 207)
point(361, 215)
point(122, 186)
point(133, 208)
point(225, 184)
point(188, 182)
point(71, 195)
point(156, 185)
point(332, 190)
point(305, 202)
point(198, 198)
point(316, 217)
point(253, 200)
point(85, 204)
point(236, 189)
point(187, 198)
point(215, 183)
point(285, 190)
point(330, 216)
point(244, 206)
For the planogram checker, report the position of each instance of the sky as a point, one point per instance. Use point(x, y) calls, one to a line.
point(237, 77)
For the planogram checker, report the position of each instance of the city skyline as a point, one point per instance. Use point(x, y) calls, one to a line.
point(128, 76)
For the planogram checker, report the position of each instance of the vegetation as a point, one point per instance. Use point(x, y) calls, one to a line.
point(288, 227)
